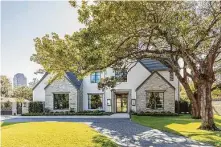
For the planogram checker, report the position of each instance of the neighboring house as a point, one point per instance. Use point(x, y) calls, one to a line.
point(19, 80)
point(148, 86)
point(11, 106)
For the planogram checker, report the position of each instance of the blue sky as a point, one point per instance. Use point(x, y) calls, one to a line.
point(21, 22)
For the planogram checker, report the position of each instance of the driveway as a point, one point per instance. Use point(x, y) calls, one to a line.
point(125, 132)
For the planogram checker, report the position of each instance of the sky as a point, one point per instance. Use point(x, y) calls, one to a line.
point(21, 22)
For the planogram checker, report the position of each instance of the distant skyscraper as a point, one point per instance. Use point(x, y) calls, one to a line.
point(19, 80)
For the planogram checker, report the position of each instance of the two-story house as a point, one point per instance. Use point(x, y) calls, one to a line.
point(148, 86)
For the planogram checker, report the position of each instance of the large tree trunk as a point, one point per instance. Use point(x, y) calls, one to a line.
point(195, 101)
point(196, 105)
point(206, 107)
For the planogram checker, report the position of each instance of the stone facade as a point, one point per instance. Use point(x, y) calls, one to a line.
point(61, 86)
point(155, 83)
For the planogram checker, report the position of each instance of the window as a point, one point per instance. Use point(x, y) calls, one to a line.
point(95, 101)
point(171, 76)
point(154, 100)
point(121, 75)
point(61, 101)
point(95, 77)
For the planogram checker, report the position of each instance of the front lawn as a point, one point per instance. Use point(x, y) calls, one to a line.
point(182, 125)
point(52, 134)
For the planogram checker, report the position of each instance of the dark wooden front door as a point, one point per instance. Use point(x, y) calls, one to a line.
point(121, 102)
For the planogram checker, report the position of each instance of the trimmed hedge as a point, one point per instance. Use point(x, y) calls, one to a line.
point(182, 107)
point(68, 113)
point(36, 107)
point(163, 113)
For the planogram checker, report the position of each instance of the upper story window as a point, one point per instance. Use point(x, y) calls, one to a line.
point(121, 75)
point(171, 75)
point(95, 77)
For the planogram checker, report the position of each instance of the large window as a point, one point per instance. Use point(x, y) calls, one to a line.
point(95, 77)
point(61, 101)
point(154, 100)
point(121, 75)
point(95, 101)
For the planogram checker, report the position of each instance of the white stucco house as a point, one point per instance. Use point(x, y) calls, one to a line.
point(148, 86)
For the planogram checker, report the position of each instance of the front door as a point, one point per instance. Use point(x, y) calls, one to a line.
point(121, 102)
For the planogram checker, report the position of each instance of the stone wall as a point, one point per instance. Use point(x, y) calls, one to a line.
point(61, 86)
point(217, 107)
point(155, 83)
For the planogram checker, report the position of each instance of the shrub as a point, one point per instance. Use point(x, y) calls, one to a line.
point(47, 110)
point(162, 113)
point(93, 113)
point(36, 107)
point(182, 106)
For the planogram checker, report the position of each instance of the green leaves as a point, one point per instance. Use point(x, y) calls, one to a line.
point(22, 92)
point(120, 31)
point(6, 87)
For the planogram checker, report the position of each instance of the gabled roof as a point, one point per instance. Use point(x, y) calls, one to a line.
point(69, 75)
point(153, 65)
point(72, 78)
point(155, 72)
point(40, 80)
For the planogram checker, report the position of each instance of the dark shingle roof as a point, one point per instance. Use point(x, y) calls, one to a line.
point(73, 78)
point(153, 65)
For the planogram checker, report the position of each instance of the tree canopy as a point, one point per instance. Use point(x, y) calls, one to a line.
point(6, 86)
point(22, 92)
point(120, 32)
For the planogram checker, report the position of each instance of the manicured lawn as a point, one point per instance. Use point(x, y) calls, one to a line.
point(52, 134)
point(182, 125)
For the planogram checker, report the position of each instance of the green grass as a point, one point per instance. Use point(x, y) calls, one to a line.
point(52, 134)
point(182, 125)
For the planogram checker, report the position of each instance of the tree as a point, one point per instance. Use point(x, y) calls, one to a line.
point(118, 33)
point(6, 86)
point(23, 92)
point(33, 82)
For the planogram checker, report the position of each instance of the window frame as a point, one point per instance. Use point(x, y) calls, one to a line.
point(95, 74)
point(102, 101)
point(54, 101)
point(155, 91)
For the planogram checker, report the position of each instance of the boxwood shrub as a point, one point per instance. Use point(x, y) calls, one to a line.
point(36, 107)
point(89, 113)
point(162, 113)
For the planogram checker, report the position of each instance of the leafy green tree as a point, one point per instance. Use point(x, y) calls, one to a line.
point(117, 33)
point(23, 92)
point(33, 82)
point(6, 86)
